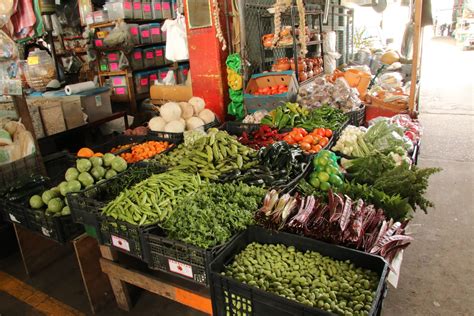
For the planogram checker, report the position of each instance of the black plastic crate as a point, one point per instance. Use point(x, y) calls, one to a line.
point(20, 168)
point(357, 117)
point(178, 258)
point(179, 137)
point(86, 205)
point(238, 128)
point(230, 297)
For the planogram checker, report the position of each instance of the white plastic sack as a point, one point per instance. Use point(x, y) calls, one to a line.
point(176, 39)
point(330, 61)
point(329, 42)
point(169, 80)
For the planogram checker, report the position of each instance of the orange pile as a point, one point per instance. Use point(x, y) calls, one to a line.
point(145, 151)
point(310, 143)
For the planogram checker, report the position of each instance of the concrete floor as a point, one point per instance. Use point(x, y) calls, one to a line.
point(437, 274)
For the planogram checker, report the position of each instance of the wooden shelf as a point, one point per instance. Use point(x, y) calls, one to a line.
point(108, 49)
point(112, 73)
point(310, 43)
point(112, 23)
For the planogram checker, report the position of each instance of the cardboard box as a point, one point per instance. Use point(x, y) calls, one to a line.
point(176, 93)
point(96, 103)
point(255, 103)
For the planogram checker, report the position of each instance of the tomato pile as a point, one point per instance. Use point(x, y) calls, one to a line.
point(272, 90)
point(312, 142)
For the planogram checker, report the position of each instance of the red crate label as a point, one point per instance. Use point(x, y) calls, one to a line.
point(120, 243)
point(146, 7)
point(185, 71)
point(163, 74)
point(114, 66)
point(127, 5)
point(120, 91)
point(158, 6)
point(134, 30)
point(144, 81)
point(98, 43)
point(113, 57)
point(180, 268)
point(137, 5)
point(137, 55)
point(153, 77)
point(166, 6)
point(145, 33)
point(117, 81)
point(149, 55)
point(158, 53)
point(155, 31)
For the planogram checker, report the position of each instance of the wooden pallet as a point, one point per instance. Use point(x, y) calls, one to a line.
point(120, 276)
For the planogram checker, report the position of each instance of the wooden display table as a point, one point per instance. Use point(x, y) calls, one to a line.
point(120, 276)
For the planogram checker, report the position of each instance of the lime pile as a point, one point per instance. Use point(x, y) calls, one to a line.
point(326, 174)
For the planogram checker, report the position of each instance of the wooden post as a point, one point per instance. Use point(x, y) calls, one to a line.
point(417, 42)
point(96, 283)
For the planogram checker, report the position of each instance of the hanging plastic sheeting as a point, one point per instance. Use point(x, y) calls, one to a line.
point(330, 54)
point(176, 39)
point(8, 50)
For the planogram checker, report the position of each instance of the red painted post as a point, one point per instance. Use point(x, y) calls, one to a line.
point(207, 64)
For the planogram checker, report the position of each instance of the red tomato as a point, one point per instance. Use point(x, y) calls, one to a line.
point(289, 139)
point(323, 141)
point(297, 136)
point(302, 131)
point(316, 148)
point(328, 132)
point(305, 146)
point(321, 132)
point(309, 139)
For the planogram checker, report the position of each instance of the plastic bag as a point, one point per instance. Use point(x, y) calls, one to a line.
point(176, 39)
point(169, 80)
point(390, 81)
point(6, 11)
point(8, 50)
point(119, 37)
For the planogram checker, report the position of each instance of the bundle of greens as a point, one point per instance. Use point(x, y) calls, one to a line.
point(214, 214)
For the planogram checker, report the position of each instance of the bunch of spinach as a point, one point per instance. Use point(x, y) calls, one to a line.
point(214, 214)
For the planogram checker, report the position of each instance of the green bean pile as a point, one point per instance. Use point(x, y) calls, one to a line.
point(152, 200)
point(309, 278)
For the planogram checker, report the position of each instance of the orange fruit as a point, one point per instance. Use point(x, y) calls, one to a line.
point(85, 152)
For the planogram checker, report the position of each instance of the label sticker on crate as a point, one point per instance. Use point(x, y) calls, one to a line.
point(159, 52)
point(144, 81)
point(153, 77)
point(155, 31)
point(98, 100)
point(120, 91)
point(98, 43)
point(127, 5)
point(120, 243)
point(13, 218)
point(137, 5)
point(146, 7)
point(113, 66)
point(145, 33)
point(149, 55)
point(166, 6)
point(118, 81)
point(46, 232)
point(113, 56)
point(158, 6)
point(137, 55)
point(181, 268)
point(134, 30)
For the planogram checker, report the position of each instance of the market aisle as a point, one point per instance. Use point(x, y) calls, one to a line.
point(437, 271)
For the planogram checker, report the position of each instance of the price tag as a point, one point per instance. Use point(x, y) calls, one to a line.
point(98, 100)
point(149, 55)
point(158, 53)
point(146, 7)
point(180, 268)
point(13, 218)
point(155, 31)
point(120, 243)
point(158, 6)
point(145, 33)
point(117, 81)
point(166, 6)
point(144, 81)
point(98, 43)
point(103, 67)
point(46, 232)
point(127, 5)
point(134, 30)
point(120, 91)
point(137, 6)
point(33, 60)
point(137, 55)
point(113, 66)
